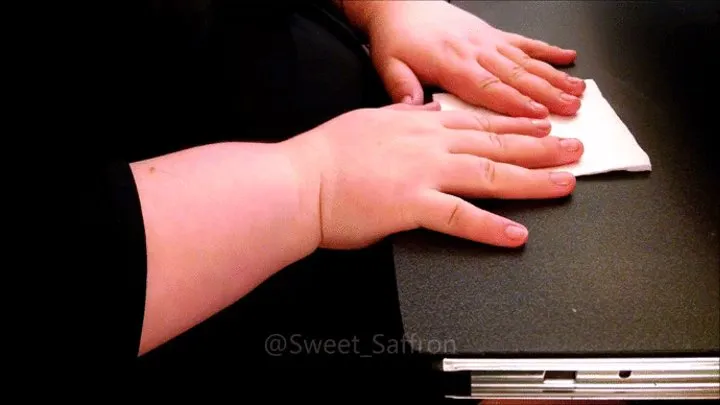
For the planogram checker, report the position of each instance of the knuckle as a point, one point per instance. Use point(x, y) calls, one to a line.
point(453, 48)
point(488, 168)
point(483, 122)
point(488, 82)
point(525, 61)
point(497, 141)
point(516, 73)
point(453, 217)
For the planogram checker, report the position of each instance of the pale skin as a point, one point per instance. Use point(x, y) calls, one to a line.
point(436, 43)
point(221, 219)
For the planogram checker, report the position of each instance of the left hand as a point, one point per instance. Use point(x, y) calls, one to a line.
point(436, 43)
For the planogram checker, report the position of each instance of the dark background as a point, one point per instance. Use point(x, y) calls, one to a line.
point(630, 264)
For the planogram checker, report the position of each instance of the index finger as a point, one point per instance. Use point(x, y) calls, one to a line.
point(543, 51)
point(495, 123)
point(475, 85)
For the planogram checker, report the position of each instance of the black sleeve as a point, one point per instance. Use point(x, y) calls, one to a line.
point(112, 226)
point(75, 225)
point(86, 266)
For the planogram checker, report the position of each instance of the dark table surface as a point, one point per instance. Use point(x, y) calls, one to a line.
point(630, 264)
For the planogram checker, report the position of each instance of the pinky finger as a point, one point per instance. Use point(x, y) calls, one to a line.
point(454, 216)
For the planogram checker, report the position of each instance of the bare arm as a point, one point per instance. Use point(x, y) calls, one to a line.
point(219, 220)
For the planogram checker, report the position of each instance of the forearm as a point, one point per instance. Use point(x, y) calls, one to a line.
point(219, 220)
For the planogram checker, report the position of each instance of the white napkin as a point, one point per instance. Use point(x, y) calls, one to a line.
point(609, 145)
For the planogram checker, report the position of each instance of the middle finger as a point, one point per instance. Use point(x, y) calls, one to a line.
point(499, 124)
point(525, 151)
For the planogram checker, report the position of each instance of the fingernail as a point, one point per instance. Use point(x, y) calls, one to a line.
point(574, 80)
point(537, 106)
point(433, 105)
point(561, 178)
point(568, 97)
point(570, 145)
point(516, 232)
point(543, 124)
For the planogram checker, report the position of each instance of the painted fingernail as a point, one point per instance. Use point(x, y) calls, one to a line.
point(570, 145)
point(568, 97)
point(516, 232)
point(561, 178)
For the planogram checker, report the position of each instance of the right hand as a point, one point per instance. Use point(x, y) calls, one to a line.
point(393, 169)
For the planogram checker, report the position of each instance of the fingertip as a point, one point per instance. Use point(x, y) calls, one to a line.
point(571, 54)
point(575, 85)
point(572, 146)
point(569, 105)
point(582, 86)
point(564, 181)
point(433, 106)
point(516, 235)
point(581, 148)
point(562, 56)
point(536, 110)
point(543, 127)
point(412, 99)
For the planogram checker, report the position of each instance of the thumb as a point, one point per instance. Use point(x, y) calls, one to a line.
point(401, 82)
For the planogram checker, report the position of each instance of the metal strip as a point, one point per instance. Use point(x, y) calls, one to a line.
point(590, 379)
point(586, 364)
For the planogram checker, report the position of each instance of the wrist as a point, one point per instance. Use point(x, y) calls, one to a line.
point(303, 158)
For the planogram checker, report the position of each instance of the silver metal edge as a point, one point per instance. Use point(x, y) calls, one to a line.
point(584, 364)
point(657, 378)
